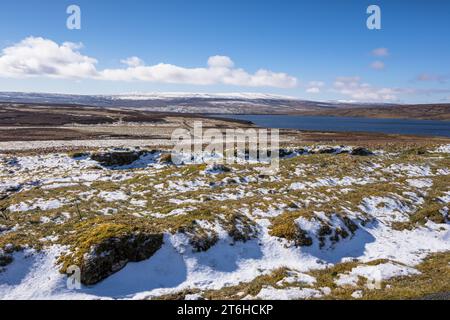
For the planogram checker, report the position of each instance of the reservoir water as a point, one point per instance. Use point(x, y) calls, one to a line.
point(352, 124)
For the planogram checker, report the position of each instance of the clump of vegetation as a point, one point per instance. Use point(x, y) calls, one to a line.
point(102, 245)
point(432, 209)
point(284, 226)
point(201, 239)
point(240, 227)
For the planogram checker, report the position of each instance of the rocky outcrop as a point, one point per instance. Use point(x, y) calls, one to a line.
point(217, 168)
point(116, 157)
point(360, 151)
point(5, 258)
point(165, 158)
point(113, 254)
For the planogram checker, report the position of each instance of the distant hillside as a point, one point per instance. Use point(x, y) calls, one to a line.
point(232, 103)
point(421, 111)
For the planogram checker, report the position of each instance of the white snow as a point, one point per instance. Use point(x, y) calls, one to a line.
point(443, 149)
point(270, 293)
point(420, 183)
point(111, 196)
point(177, 95)
point(445, 198)
point(41, 204)
point(411, 170)
point(195, 296)
point(345, 280)
point(33, 276)
point(357, 294)
point(176, 266)
point(384, 271)
point(330, 182)
point(138, 203)
point(297, 186)
point(386, 209)
point(310, 226)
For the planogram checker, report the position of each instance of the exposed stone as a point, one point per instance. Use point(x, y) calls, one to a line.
point(166, 158)
point(240, 228)
point(327, 151)
point(360, 151)
point(113, 254)
point(78, 155)
point(5, 258)
point(116, 158)
point(202, 243)
point(283, 153)
point(302, 239)
point(353, 227)
point(218, 168)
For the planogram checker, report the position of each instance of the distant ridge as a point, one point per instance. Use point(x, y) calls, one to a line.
point(233, 103)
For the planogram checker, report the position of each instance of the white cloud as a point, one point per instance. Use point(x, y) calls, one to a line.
point(45, 58)
point(167, 73)
point(132, 62)
point(356, 89)
point(315, 86)
point(433, 77)
point(42, 57)
point(380, 52)
point(313, 90)
point(377, 65)
point(318, 84)
point(220, 62)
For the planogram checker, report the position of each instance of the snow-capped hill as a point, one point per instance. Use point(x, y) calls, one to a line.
point(183, 102)
point(185, 95)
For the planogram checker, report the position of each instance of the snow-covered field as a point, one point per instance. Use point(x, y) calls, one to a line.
point(221, 232)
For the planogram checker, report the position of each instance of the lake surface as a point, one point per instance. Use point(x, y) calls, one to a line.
point(319, 123)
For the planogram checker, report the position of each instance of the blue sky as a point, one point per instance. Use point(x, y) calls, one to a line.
point(319, 50)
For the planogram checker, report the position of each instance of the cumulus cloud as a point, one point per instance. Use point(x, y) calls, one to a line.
point(315, 86)
point(220, 62)
point(356, 89)
point(313, 90)
point(433, 77)
point(219, 71)
point(132, 62)
point(380, 52)
point(377, 65)
point(42, 57)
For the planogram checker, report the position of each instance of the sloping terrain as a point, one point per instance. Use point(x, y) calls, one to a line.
point(232, 103)
point(421, 111)
point(335, 222)
point(34, 122)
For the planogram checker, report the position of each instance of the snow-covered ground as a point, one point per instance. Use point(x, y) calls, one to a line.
point(176, 266)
